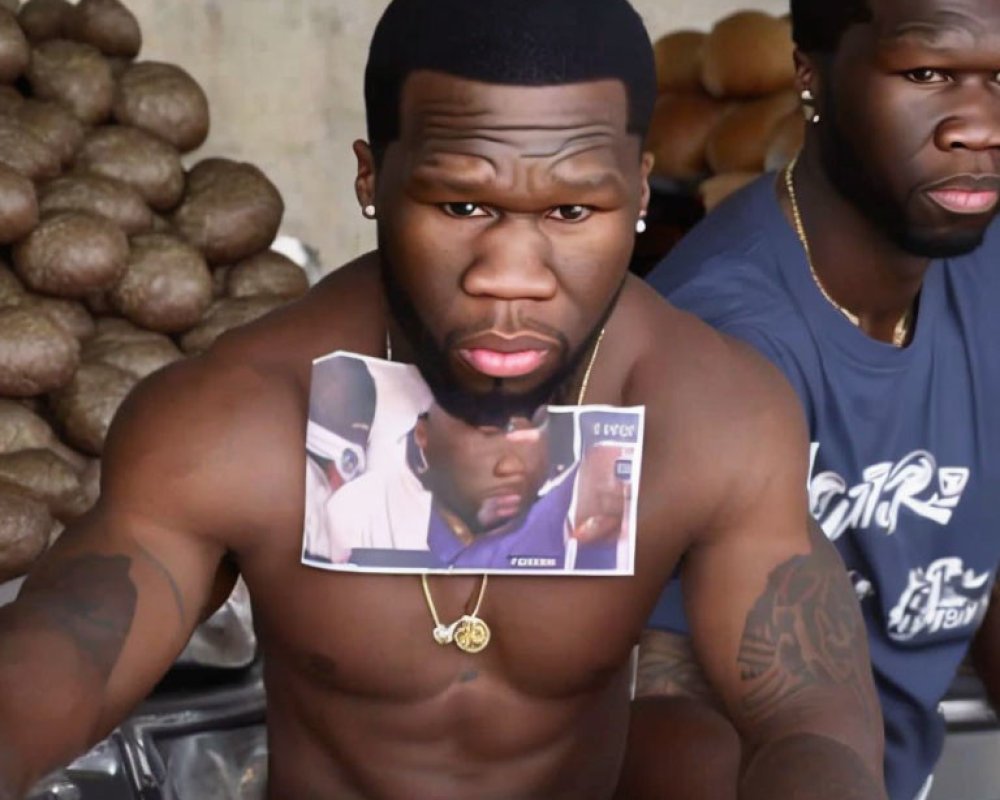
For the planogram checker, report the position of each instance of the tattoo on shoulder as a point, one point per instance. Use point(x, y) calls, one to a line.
point(89, 598)
point(805, 632)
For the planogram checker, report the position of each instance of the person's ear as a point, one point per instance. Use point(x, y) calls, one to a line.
point(807, 83)
point(420, 432)
point(364, 182)
point(645, 170)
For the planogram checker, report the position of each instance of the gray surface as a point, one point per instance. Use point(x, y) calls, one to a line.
point(9, 590)
point(969, 768)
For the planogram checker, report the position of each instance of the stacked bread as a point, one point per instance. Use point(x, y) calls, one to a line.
point(115, 259)
point(727, 109)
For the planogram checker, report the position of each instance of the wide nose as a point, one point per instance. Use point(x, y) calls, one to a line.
point(512, 262)
point(976, 126)
point(509, 465)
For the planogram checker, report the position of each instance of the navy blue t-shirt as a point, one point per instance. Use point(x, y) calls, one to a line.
point(905, 445)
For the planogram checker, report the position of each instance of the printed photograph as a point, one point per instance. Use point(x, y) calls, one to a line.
point(394, 483)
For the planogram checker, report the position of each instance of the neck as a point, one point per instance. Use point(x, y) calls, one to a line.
point(860, 268)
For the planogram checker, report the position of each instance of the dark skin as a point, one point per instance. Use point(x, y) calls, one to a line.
point(485, 477)
point(916, 96)
point(362, 703)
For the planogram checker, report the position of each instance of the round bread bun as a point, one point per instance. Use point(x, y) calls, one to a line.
point(90, 482)
point(786, 141)
point(72, 253)
point(85, 407)
point(118, 330)
point(70, 314)
point(167, 286)
point(43, 475)
point(21, 150)
point(95, 194)
point(739, 142)
point(15, 52)
point(24, 531)
point(10, 99)
point(75, 75)
point(678, 61)
point(18, 205)
point(146, 163)
point(680, 128)
point(12, 291)
point(230, 210)
point(748, 54)
point(269, 272)
point(107, 25)
point(42, 20)
point(140, 357)
point(54, 125)
point(163, 100)
point(37, 355)
point(717, 188)
point(224, 315)
point(21, 428)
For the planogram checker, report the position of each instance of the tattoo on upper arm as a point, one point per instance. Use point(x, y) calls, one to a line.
point(89, 598)
point(805, 632)
point(668, 667)
point(174, 590)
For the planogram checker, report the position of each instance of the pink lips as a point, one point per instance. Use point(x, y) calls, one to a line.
point(961, 201)
point(499, 364)
point(500, 508)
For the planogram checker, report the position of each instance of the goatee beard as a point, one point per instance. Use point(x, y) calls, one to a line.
point(497, 406)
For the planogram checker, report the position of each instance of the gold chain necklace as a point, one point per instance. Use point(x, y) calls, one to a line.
point(902, 329)
point(469, 633)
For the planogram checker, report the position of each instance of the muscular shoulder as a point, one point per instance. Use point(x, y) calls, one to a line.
point(720, 418)
point(214, 444)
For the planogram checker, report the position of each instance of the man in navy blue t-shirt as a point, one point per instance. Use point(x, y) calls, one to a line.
point(869, 273)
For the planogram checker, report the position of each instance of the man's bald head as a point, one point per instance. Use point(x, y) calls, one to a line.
point(508, 42)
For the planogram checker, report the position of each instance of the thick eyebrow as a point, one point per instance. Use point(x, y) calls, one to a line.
point(470, 186)
point(939, 34)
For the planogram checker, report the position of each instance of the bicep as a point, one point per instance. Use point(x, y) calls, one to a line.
point(773, 615)
point(777, 626)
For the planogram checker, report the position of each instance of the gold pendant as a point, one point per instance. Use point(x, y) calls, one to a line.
point(471, 634)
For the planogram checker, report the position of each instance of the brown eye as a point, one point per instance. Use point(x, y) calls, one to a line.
point(571, 213)
point(925, 75)
point(463, 210)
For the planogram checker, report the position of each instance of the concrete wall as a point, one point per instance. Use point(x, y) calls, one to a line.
point(284, 81)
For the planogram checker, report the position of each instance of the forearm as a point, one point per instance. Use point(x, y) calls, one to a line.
point(809, 767)
point(50, 699)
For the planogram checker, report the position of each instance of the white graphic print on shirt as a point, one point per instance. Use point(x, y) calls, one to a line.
point(915, 483)
point(944, 597)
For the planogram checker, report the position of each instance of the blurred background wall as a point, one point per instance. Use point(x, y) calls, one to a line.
point(284, 80)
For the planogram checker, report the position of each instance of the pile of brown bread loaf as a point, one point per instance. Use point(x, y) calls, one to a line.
point(115, 259)
point(727, 109)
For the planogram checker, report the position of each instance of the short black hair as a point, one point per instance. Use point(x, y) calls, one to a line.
point(818, 25)
point(508, 42)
